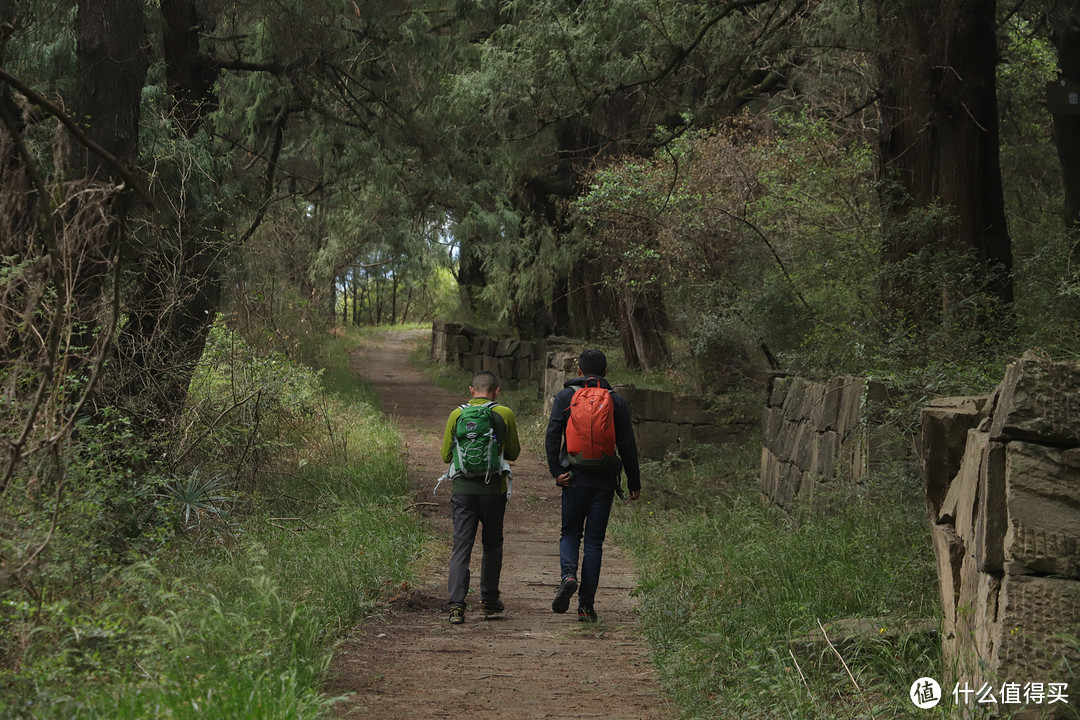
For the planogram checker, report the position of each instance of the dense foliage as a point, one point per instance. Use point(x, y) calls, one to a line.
point(191, 189)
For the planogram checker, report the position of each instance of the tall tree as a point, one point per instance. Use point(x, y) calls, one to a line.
point(939, 153)
point(1064, 18)
point(566, 85)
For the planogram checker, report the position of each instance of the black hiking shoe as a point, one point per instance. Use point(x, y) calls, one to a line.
point(586, 613)
point(457, 615)
point(566, 590)
point(491, 607)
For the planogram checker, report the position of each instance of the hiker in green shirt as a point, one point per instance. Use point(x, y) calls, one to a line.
point(480, 437)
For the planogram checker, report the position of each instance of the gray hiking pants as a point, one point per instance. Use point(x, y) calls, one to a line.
point(471, 511)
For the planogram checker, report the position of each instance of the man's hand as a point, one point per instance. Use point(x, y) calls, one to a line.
point(563, 480)
point(634, 495)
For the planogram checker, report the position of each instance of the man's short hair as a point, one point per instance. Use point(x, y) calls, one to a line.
point(485, 381)
point(592, 362)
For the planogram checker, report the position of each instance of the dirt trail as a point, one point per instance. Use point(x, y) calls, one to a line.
point(529, 663)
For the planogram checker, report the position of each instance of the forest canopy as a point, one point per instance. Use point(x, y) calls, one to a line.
point(885, 187)
point(198, 196)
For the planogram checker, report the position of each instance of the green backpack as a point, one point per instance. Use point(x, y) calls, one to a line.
point(477, 446)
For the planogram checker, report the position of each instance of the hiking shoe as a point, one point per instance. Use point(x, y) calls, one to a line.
point(491, 607)
point(457, 615)
point(566, 590)
point(586, 613)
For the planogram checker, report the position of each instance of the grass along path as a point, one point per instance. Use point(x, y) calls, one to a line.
point(528, 663)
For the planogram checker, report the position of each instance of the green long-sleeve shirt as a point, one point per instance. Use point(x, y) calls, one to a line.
point(511, 447)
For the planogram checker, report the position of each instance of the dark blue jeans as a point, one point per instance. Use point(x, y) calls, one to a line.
point(471, 511)
point(585, 513)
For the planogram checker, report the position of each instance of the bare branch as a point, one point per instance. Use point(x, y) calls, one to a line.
point(75, 130)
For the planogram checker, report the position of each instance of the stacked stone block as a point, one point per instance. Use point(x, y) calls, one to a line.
point(663, 421)
point(1002, 476)
point(819, 434)
point(516, 362)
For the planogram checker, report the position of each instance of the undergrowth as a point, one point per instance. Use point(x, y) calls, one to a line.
point(737, 597)
point(234, 607)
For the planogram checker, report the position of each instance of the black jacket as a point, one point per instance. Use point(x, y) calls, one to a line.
point(555, 441)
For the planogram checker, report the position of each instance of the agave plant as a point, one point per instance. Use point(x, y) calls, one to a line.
point(197, 496)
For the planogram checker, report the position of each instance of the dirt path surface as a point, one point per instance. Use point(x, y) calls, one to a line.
point(528, 663)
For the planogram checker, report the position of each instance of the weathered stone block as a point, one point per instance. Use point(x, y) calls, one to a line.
point(506, 369)
point(972, 646)
point(949, 552)
point(772, 420)
point(507, 347)
point(1037, 616)
point(655, 439)
point(815, 407)
point(786, 442)
point(830, 403)
point(523, 369)
point(650, 405)
point(945, 424)
point(1039, 400)
point(991, 520)
point(1043, 495)
point(778, 389)
point(707, 434)
point(961, 502)
point(788, 487)
point(826, 447)
point(770, 473)
point(849, 411)
point(808, 488)
point(805, 445)
point(795, 402)
point(685, 409)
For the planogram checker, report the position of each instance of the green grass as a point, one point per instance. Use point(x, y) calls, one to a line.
point(238, 615)
point(729, 586)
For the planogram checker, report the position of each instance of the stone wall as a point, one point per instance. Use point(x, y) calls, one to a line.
point(517, 363)
point(820, 434)
point(1002, 477)
point(663, 421)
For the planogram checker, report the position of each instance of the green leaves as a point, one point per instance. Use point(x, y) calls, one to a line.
point(197, 498)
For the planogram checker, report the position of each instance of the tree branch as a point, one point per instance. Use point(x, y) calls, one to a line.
point(75, 130)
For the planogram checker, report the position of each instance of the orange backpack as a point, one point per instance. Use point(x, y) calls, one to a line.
point(590, 431)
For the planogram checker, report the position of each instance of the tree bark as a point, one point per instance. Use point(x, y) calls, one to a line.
point(110, 69)
point(643, 323)
point(939, 145)
point(1065, 34)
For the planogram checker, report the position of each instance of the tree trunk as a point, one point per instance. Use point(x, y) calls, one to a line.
point(560, 306)
point(110, 70)
point(190, 74)
point(393, 300)
point(470, 276)
point(643, 323)
point(939, 144)
point(1065, 33)
point(408, 304)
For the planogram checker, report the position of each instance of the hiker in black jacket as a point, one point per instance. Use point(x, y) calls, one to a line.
point(588, 486)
